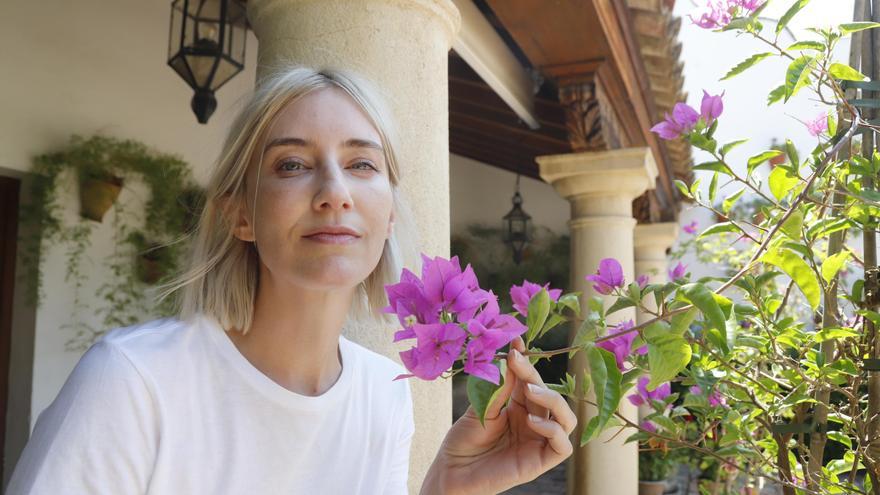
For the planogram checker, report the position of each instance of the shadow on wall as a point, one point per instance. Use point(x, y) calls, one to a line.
point(545, 259)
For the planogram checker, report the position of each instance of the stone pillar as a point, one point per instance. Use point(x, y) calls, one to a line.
point(402, 46)
point(651, 241)
point(601, 186)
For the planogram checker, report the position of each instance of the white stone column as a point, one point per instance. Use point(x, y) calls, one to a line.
point(402, 46)
point(651, 240)
point(601, 187)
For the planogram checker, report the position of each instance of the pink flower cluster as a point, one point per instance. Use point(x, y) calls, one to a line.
point(620, 344)
point(718, 13)
point(449, 315)
point(609, 276)
point(684, 117)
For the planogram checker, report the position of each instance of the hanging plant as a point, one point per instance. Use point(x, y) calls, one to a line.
point(144, 250)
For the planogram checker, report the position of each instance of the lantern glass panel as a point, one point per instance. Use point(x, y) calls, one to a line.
point(176, 28)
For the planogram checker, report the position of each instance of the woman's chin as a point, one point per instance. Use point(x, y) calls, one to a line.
point(330, 274)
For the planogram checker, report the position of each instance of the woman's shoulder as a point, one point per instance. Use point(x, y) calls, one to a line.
point(378, 369)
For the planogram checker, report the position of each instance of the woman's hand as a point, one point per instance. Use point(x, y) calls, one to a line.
point(511, 449)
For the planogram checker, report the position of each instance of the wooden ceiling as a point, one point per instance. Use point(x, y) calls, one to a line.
point(483, 127)
point(556, 40)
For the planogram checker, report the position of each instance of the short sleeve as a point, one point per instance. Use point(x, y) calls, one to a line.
point(399, 475)
point(99, 436)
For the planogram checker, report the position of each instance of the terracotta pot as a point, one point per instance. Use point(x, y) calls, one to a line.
point(652, 487)
point(149, 268)
point(96, 196)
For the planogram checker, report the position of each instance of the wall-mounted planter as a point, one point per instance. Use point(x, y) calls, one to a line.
point(97, 195)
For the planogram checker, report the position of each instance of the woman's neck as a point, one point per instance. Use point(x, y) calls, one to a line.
point(294, 336)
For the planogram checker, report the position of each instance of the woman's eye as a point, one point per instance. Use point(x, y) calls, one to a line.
point(364, 166)
point(290, 166)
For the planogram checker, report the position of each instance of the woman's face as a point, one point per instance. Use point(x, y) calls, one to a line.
point(324, 200)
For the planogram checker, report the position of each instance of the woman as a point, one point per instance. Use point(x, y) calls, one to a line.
point(254, 389)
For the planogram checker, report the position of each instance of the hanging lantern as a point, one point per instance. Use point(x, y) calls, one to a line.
point(516, 226)
point(206, 47)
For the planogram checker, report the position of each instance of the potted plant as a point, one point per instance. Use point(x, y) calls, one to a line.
point(144, 234)
point(655, 467)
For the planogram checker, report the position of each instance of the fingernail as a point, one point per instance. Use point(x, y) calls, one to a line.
point(534, 388)
point(533, 418)
point(516, 355)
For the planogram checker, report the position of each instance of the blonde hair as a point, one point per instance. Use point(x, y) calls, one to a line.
point(222, 277)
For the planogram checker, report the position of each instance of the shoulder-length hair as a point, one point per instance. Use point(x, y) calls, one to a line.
point(222, 275)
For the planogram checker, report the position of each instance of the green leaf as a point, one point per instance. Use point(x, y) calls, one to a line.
point(682, 188)
point(718, 228)
point(731, 145)
point(682, 321)
point(840, 437)
point(539, 308)
point(832, 333)
point(845, 72)
point(620, 303)
point(792, 153)
point(552, 322)
point(806, 45)
point(833, 264)
point(745, 64)
point(704, 299)
point(794, 9)
point(713, 187)
point(703, 142)
point(668, 354)
point(482, 393)
point(853, 27)
point(713, 167)
point(760, 158)
point(798, 270)
point(792, 226)
point(571, 301)
point(797, 75)
point(781, 182)
point(728, 202)
point(606, 380)
point(775, 94)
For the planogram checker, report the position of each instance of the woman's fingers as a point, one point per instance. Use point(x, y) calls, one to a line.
point(557, 438)
point(556, 403)
point(507, 389)
point(526, 373)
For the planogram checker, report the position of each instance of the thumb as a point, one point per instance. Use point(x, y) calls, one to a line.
point(504, 393)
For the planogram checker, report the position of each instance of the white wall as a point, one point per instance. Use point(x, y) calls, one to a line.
point(91, 67)
point(480, 193)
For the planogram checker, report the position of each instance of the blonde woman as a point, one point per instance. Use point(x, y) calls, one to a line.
point(253, 389)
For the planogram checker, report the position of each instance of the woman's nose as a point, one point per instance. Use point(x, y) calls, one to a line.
point(333, 192)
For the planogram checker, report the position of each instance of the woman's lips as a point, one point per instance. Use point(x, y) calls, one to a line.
point(325, 238)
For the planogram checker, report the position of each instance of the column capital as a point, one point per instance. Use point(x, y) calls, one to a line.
point(626, 172)
point(661, 234)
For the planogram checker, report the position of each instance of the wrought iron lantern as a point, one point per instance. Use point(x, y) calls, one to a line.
point(516, 226)
point(206, 47)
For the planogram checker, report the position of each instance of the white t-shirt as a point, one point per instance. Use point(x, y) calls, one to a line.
point(173, 408)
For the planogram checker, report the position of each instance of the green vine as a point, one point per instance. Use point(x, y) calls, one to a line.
point(145, 246)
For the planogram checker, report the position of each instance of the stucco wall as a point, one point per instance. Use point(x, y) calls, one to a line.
point(91, 67)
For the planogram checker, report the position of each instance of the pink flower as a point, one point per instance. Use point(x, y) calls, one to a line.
point(438, 346)
point(715, 398)
point(711, 107)
point(608, 277)
point(682, 121)
point(620, 343)
point(645, 396)
point(818, 125)
point(522, 294)
point(447, 286)
point(649, 426)
point(642, 280)
point(749, 5)
point(718, 15)
point(490, 330)
point(678, 272)
point(690, 228)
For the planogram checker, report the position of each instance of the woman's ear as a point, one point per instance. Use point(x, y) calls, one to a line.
point(238, 217)
point(390, 225)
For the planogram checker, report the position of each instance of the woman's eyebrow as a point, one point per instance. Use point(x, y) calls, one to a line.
point(305, 143)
